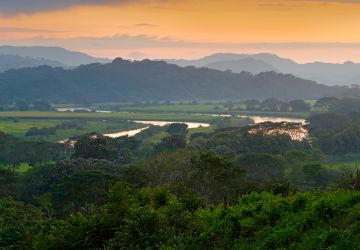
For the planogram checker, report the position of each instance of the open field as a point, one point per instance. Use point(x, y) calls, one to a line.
point(176, 108)
point(18, 123)
point(101, 127)
point(205, 109)
point(20, 127)
point(95, 115)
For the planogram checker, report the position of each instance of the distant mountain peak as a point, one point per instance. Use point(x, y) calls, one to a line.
point(248, 64)
point(146, 80)
point(9, 62)
point(58, 54)
point(325, 73)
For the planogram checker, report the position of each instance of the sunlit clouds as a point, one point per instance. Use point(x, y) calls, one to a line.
point(304, 30)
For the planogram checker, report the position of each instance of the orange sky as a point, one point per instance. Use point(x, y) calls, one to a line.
point(321, 30)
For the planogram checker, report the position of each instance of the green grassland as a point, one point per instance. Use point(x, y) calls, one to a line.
point(206, 109)
point(20, 127)
point(201, 130)
point(193, 108)
point(18, 123)
point(94, 115)
point(101, 127)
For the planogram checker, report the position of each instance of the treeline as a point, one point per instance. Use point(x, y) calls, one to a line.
point(14, 151)
point(23, 105)
point(335, 105)
point(47, 131)
point(120, 81)
point(336, 129)
point(336, 133)
point(275, 105)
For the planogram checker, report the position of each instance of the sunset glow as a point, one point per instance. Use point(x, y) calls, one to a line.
point(303, 30)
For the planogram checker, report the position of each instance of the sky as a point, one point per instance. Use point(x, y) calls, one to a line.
point(304, 30)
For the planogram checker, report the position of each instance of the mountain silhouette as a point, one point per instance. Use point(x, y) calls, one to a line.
point(125, 81)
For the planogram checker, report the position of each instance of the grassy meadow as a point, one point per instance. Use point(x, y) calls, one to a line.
point(19, 128)
point(18, 123)
point(95, 115)
point(198, 109)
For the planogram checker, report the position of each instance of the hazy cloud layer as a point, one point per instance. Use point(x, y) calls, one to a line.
point(289, 4)
point(336, 1)
point(13, 7)
point(125, 41)
point(25, 30)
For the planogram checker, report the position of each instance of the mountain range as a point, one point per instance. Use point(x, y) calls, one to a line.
point(8, 62)
point(124, 81)
point(331, 74)
point(52, 56)
point(347, 73)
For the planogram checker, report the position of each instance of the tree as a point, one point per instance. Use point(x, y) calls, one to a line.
point(2, 104)
point(285, 107)
point(271, 105)
point(252, 105)
point(316, 176)
point(94, 146)
point(97, 146)
point(22, 105)
point(42, 106)
point(20, 224)
point(346, 106)
point(81, 191)
point(350, 181)
point(326, 103)
point(262, 167)
point(229, 105)
point(215, 177)
point(41, 179)
point(177, 128)
point(172, 142)
point(299, 106)
point(8, 183)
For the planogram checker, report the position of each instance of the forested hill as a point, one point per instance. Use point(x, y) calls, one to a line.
point(8, 62)
point(148, 80)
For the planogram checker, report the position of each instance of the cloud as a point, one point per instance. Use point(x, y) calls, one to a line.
point(125, 41)
point(137, 55)
point(291, 4)
point(14, 7)
point(145, 25)
point(334, 1)
point(25, 30)
point(139, 25)
point(326, 1)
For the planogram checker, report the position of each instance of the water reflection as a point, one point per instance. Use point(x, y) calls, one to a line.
point(260, 119)
point(164, 123)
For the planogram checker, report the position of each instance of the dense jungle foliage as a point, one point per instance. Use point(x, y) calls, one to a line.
point(231, 188)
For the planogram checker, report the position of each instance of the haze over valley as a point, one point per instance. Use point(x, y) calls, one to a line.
point(148, 124)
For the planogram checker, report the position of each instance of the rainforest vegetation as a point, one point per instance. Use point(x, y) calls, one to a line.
point(171, 187)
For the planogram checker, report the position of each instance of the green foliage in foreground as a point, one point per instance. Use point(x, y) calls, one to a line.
point(173, 218)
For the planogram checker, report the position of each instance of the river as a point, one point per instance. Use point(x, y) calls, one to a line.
point(155, 123)
point(256, 119)
point(259, 119)
point(191, 125)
